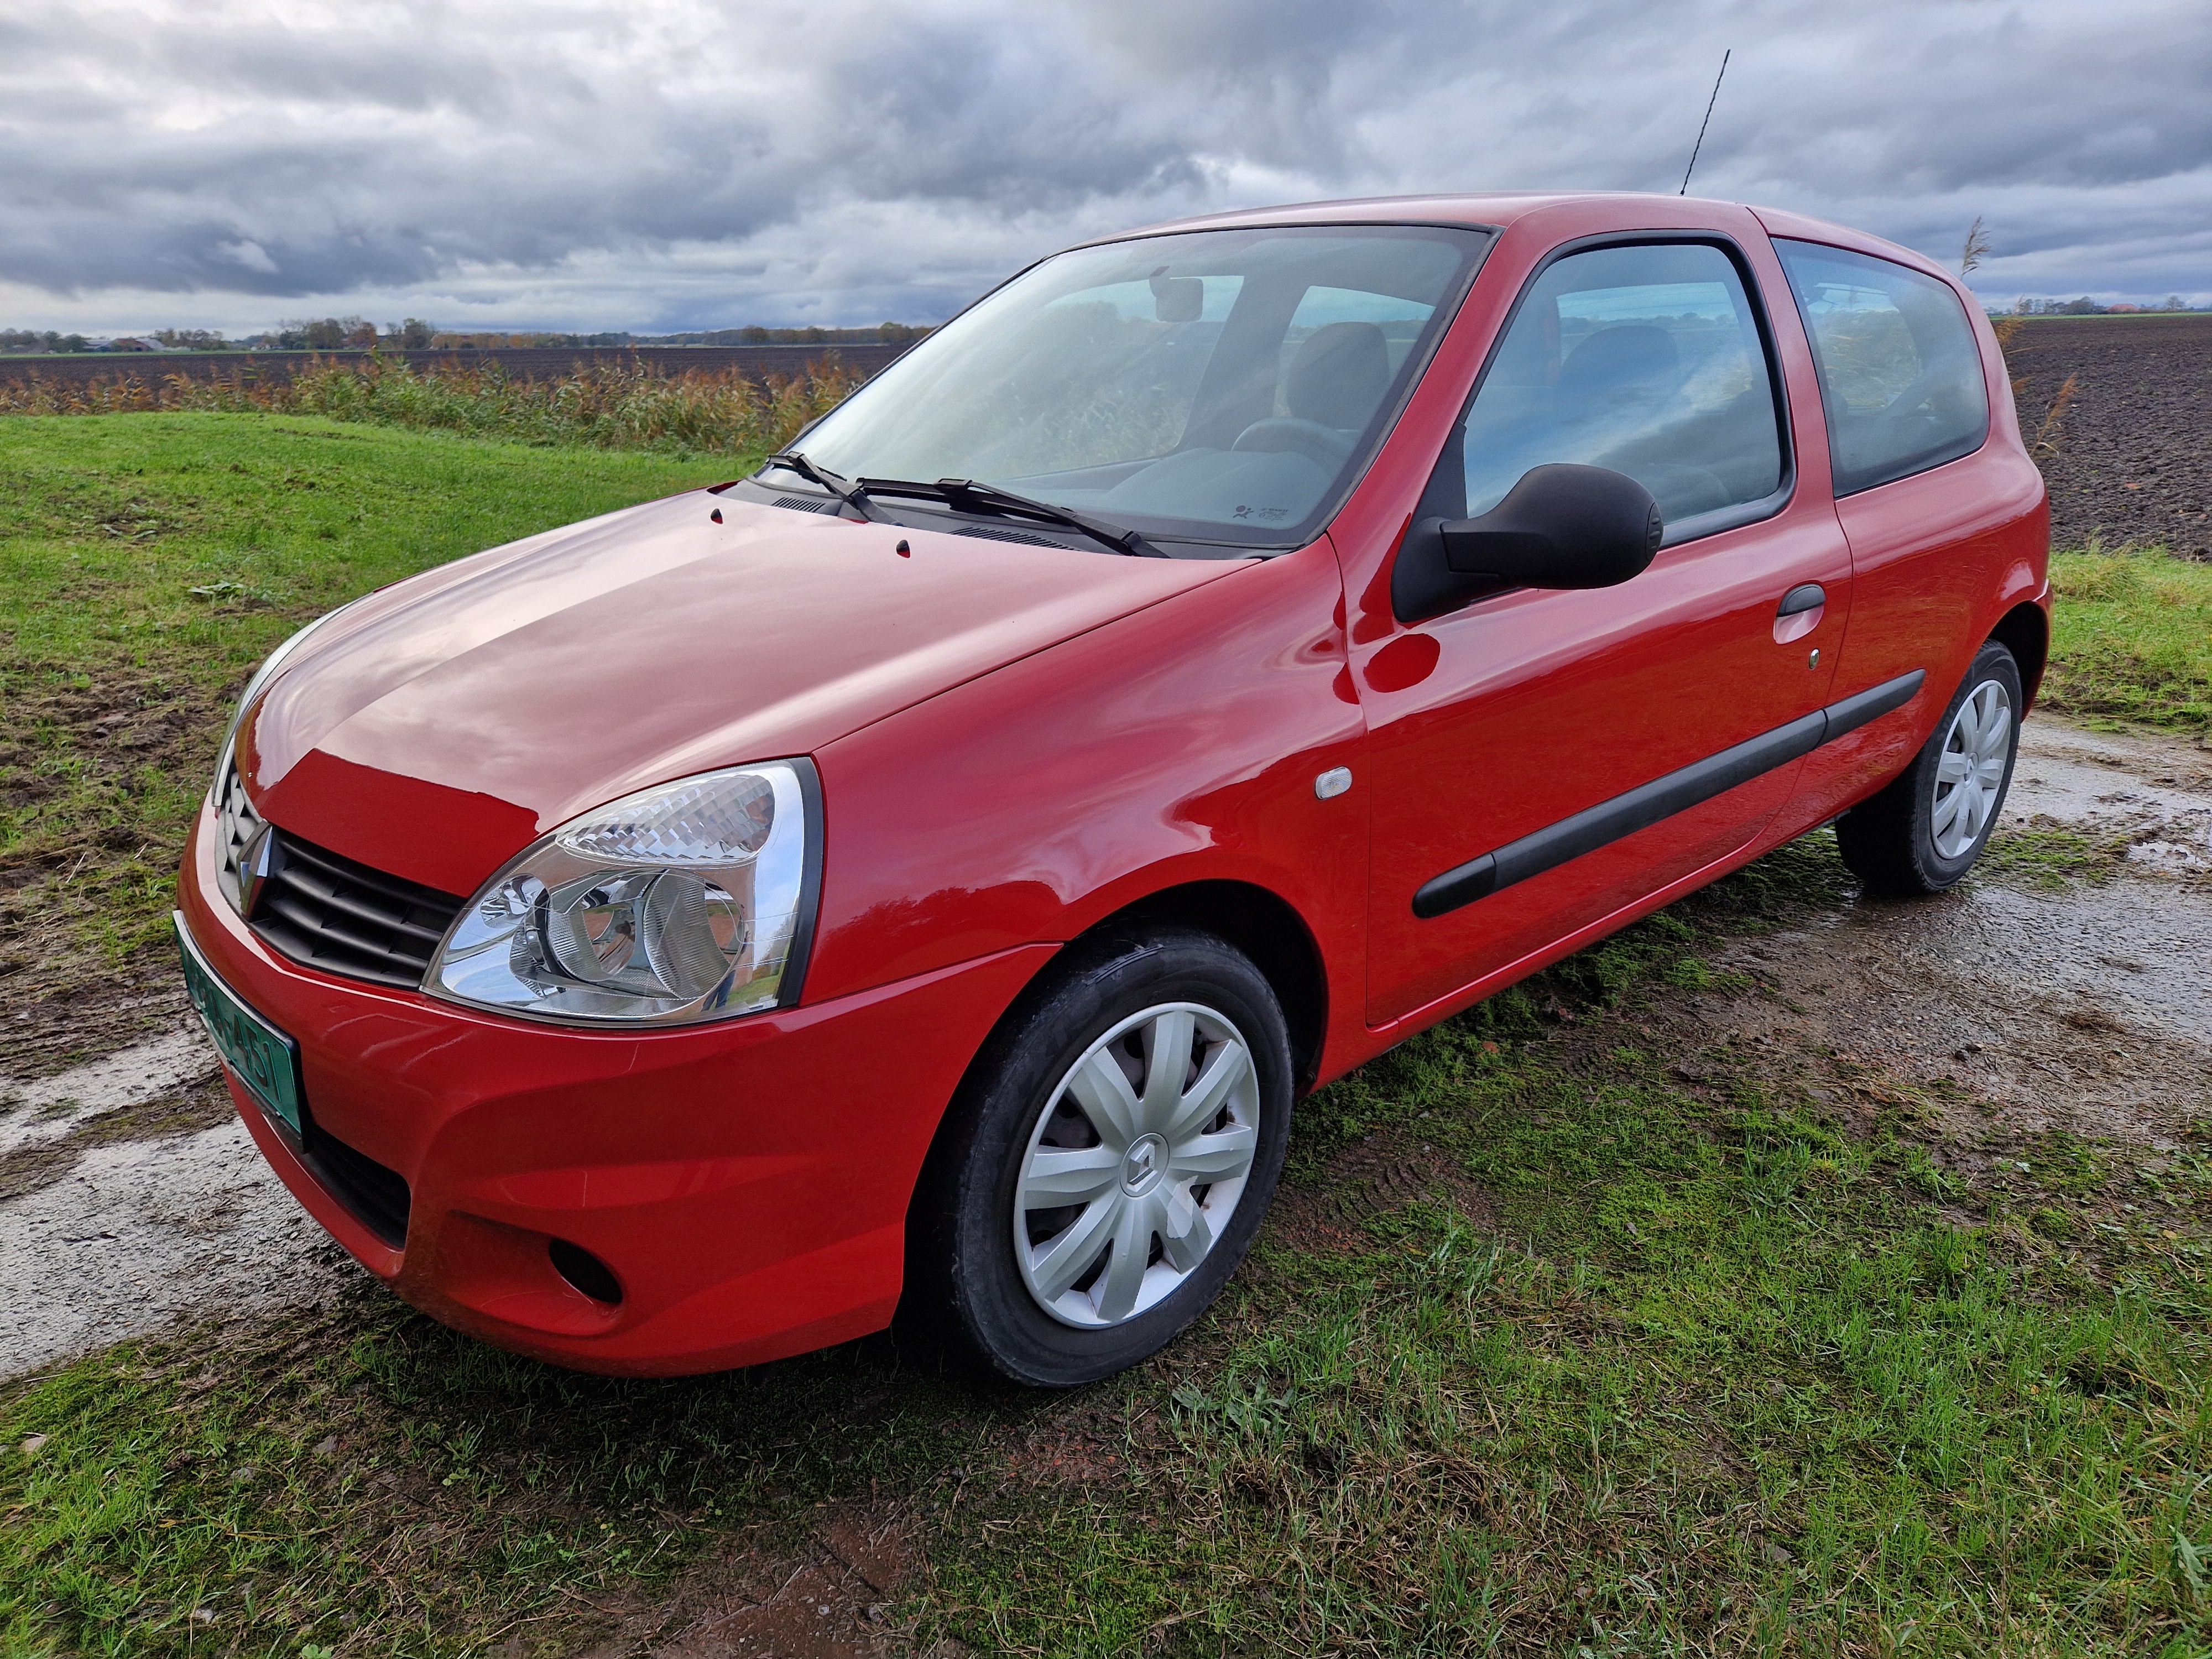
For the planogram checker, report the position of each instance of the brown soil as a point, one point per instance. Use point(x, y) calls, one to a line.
point(2039, 1034)
point(831, 1598)
point(62, 1002)
point(1386, 1170)
point(2129, 456)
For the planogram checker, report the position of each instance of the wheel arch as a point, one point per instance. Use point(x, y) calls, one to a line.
point(1257, 921)
point(2025, 631)
point(1268, 930)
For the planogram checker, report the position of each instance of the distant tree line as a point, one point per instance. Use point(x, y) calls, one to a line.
point(2086, 306)
point(32, 339)
point(359, 334)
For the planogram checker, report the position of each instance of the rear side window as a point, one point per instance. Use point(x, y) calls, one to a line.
point(1900, 375)
point(1646, 359)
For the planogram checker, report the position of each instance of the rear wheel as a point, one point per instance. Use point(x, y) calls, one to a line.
point(1925, 830)
point(1105, 1171)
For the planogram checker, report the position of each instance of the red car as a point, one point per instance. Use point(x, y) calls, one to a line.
point(923, 876)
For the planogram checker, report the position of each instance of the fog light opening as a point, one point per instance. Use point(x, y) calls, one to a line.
point(586, 1272)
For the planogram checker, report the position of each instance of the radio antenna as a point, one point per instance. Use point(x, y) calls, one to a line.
point(1703, 125)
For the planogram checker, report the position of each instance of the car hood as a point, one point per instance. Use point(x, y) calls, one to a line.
point(438, 726)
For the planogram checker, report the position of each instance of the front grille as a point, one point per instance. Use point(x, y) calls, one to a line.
point(237, 823)
point(345, 918)
point(378, 1197)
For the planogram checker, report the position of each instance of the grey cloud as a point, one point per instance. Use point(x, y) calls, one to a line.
point(460, 151)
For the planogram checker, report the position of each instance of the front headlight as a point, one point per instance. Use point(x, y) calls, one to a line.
point(692, 901)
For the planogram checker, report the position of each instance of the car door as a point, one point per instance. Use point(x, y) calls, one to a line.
point(1931, 508)
point(1590, 745)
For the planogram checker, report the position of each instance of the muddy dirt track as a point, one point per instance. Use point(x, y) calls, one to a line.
point(2129, 458)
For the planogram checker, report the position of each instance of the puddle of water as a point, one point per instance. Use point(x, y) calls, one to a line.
point(143, 1233)
point(46, 1108)
point(2158, 793)
point(2088, 1007)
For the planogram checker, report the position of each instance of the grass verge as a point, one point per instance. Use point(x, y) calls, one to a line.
point(2132, 638)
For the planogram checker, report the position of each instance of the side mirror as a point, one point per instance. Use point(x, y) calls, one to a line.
point(1561, 526)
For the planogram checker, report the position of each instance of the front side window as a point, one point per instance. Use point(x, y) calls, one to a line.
point(1646, 359)
point(1212, 388)
point(1900, 375)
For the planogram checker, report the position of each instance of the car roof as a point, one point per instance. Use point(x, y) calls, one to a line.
point(1501, 210)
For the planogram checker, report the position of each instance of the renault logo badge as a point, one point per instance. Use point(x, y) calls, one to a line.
point(261, 860)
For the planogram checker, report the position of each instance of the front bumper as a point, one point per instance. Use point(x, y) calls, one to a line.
point(746, 1182)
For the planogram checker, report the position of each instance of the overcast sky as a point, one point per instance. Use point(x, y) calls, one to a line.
point(666, 164)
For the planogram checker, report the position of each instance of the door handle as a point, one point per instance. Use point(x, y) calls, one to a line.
point(1807, 596)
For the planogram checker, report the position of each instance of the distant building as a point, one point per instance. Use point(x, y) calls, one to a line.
point(131, 345)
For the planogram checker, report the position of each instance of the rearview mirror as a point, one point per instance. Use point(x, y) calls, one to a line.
point(1177, 298)
point(1561, 526)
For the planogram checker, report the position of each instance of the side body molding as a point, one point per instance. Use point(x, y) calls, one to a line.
point(1647, 803)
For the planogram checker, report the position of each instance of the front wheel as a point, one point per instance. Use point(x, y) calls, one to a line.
point(1106, 1169)
point(1927, 827)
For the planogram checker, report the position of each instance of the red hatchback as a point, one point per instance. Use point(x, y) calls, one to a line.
point(928, 872)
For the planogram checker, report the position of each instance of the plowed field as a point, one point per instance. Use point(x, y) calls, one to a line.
point(2129, 458)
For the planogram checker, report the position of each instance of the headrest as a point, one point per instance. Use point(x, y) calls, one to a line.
point(1621, 355)
point(1339, 375)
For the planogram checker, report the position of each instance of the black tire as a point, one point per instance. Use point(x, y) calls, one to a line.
point(966, 1291)
point(1891, 841)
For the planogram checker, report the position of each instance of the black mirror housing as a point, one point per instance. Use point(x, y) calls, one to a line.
point(1561, 526)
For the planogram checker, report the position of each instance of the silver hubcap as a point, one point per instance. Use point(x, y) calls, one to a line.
point(1972, 769)
point(1136, 1164)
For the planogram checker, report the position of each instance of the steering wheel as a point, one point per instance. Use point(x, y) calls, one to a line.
point(1324, 446)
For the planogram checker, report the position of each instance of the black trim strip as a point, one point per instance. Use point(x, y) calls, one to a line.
point(1647, 803)
point(799, 957)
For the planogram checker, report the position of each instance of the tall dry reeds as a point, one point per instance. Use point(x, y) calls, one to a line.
point(608, 405)
point(2053, 432)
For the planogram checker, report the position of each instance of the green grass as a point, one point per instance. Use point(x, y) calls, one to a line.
point(2051, 857)
point(1738, 1367)
point(148, 561)
point(2132, 640)
point(1723, 1380)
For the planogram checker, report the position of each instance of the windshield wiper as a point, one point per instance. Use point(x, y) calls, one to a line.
point(848, 493)
point(966, 496)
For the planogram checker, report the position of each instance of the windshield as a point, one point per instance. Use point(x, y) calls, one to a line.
point(1216, 387)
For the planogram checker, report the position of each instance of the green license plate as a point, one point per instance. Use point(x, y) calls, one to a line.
point(264, 1059)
